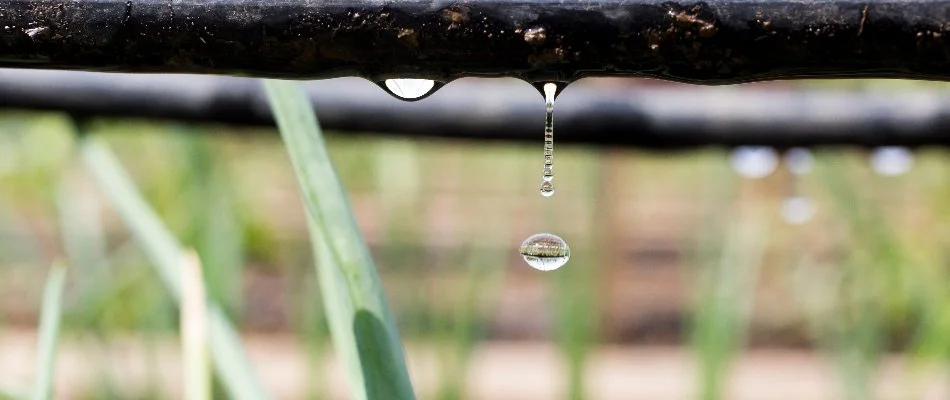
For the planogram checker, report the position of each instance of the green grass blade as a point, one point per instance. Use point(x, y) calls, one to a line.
point(873, 284)
point(486, 272)
point(49, 332)
point(363, 328)
point(215, 229)
point(194, 330)
point(726, 291)
point(166, 254)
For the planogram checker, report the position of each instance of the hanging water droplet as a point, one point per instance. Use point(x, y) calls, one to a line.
point(798, 160)
point(797, 210)
point(410, 89)
point(547, 173)
point(543, 88)
point(753, 162)
point(892, 160)
point(545, 252)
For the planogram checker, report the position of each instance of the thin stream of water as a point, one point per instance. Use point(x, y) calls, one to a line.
point(547, 173)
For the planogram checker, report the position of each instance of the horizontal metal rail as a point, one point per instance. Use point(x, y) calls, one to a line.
point(710, 42)
point(596, 112)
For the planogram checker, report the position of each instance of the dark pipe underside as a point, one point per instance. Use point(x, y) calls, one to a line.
point(595, 112)
point(713, 42)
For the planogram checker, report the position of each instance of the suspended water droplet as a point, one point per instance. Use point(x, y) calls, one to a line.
point(797, 210)
point(410, 89)
point(892, 160)
point(545, 252)
point(543, 87)
point(547, 173)
point(753, 162)
point(798, 160)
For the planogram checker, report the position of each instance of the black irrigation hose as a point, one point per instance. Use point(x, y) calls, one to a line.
point(711, 42)
point(588, 112)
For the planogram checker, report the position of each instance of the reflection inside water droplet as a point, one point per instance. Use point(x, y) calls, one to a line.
point(753, 162)
point(545, 252)
point(409, 89)
point(547, 189)
point(892, 160)
point(797, 210)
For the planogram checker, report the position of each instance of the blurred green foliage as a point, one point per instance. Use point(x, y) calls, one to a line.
point(866, 277)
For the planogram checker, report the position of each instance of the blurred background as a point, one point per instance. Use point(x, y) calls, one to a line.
point(733, 273)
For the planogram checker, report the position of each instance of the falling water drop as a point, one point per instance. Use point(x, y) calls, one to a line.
point(892, 160)
point(410, 89)
point(547, 173)
point(545, 252)
point(753, 162)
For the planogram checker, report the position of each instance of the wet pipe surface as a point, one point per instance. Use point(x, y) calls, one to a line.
point(715, 42)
